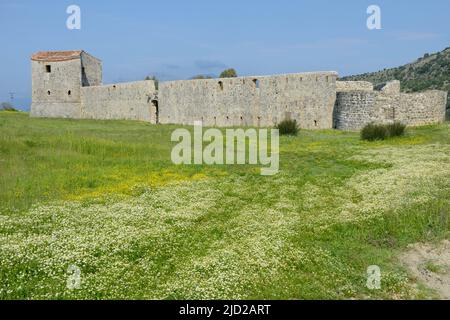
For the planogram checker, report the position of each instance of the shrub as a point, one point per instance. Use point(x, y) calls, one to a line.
point(288, 127)
point(396, 129)
point(372, 132)
point(6, 106)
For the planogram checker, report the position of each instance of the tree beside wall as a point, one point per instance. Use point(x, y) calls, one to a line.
point(229, 73)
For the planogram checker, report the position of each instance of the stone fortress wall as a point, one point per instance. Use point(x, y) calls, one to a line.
point(124, 101)
point(345, 86)
point(386, 104)
point(251, 101)
point(68, 84)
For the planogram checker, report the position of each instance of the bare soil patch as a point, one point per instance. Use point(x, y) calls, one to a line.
point(430, 265)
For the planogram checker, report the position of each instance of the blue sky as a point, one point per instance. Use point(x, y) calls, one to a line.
point(176, 39)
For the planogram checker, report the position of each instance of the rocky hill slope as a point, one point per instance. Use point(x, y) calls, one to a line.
point(432, 71)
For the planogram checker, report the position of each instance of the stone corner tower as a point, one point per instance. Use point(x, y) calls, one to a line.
point(57, 78)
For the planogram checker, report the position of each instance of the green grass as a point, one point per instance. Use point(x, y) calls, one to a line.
point(435, 268)
point(104, 196)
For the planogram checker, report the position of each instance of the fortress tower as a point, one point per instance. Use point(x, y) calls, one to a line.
point(57, 79)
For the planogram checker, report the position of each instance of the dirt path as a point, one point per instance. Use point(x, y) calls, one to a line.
point(430, 265)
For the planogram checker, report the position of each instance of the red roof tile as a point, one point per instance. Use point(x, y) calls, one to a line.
point(56, 55)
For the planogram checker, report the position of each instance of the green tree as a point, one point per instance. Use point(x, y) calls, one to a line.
point(229, 73)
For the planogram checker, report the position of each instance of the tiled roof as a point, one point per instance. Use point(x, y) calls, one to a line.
point(56, 55)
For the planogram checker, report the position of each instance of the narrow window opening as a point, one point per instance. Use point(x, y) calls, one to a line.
point(256, 82)
point(221, 85)
point(48, 68)
point(316, 123)
point(48, 92)
point(69, 92)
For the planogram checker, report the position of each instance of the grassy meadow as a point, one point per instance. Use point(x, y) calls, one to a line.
point(105, 197)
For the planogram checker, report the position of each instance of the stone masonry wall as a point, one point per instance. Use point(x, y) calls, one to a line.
point(68, 85)
point(91, 72)
point(56, 94)
point(344, 86)
point(127, 101)
point(355, 109)
point(251, 101)
point(422, 108)
point(390, 87)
